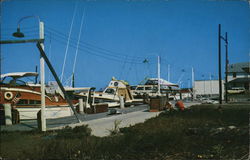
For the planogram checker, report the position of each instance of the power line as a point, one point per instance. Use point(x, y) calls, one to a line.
point(92, 52)
point(94, 46)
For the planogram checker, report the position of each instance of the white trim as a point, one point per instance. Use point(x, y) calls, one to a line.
point(23, 90)
point(19, 74)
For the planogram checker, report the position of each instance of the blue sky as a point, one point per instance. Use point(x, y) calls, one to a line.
point(117, 36)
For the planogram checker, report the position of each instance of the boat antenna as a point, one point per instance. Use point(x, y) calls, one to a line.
point(79, 37)
point(146, 61)
point(159, 75)
point(36, 76)
point(67, 47)
point(169, 72)
point(181, 76)
point(73, 80)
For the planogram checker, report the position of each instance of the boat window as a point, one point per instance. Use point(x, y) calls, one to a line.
point(133, 87)
point(13, 82)
point(38, 102)
point(6, 80)
point(20, 82)
point(140, 88)
point(110, 91)
point(151, 82)
point(234, 75)
point(35, 102)
point(148, 88)
point(23, 101)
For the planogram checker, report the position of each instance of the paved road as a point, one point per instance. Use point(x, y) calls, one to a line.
point(102, 127)
point(26, 125)
point(101, 123)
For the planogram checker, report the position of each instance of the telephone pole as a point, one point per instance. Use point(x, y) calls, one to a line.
point(219, 54)
point(226, 69)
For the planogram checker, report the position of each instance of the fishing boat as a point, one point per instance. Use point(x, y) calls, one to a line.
point(21, 90)
point(112, 94)
point(149, 87)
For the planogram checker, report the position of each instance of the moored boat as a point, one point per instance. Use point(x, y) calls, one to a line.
point(25, 96)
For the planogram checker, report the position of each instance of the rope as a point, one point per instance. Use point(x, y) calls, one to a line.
point(79, 37)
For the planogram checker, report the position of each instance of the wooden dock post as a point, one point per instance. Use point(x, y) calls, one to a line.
point(121, 101)
point(81, 105)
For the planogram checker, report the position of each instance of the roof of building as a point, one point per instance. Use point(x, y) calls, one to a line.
point(239, 67)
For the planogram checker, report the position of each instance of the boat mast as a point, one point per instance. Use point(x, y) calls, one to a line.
point(193, 83)
point(159, 86)
point(67, 47)
point(78, 42)
point(36, 76)
point(192, 77)
point(169, 72)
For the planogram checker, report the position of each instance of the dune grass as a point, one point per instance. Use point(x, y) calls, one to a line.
point(201, 132)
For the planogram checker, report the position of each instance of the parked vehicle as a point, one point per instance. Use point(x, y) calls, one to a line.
point(236, 90)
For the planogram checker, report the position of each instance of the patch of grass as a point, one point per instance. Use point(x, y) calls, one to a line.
point(76, 132)
point(13, 144)
point(201, 132)
point(115, 131)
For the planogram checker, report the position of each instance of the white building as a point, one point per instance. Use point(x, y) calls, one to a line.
point(239, 75)
point(207, 88)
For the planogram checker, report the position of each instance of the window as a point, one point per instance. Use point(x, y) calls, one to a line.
point(22, 101)
point(148, 88)
point(116, 84)
point(234, 75)
point(133, 87)
point(110, 91)
point(35, 102)
point(140, 88)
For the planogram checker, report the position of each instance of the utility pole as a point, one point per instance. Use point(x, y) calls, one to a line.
point(226, 69)
point(193, 84)
point(42, 78)
point(159, 73)
point(204, 85)
point(219, 58)
point(210, 77)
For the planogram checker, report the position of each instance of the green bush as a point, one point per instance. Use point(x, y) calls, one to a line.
point(76, 132)
point(201, 132)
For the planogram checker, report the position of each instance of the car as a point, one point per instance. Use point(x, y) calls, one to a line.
point(209, 101)
point(236, 90)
